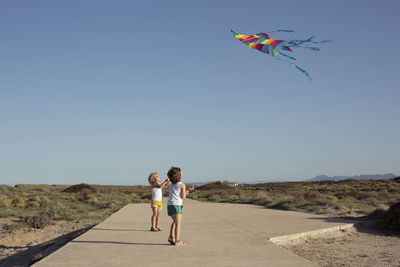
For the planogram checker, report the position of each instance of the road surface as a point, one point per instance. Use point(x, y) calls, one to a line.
point(217, 234)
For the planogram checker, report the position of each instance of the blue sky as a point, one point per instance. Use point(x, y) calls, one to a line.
point(105, 92)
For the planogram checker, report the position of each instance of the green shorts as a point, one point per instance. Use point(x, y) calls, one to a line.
point(174, 209)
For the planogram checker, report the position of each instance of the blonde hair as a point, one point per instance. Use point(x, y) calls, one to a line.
point(152, 177)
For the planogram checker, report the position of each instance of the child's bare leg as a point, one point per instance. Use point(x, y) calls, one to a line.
point(178, 218)
point(158, 217)
point(171, 233)
point(153, 218)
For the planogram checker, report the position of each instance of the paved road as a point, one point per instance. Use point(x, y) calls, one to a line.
point(216, 235)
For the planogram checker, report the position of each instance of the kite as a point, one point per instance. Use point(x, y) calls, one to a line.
point(263, 43)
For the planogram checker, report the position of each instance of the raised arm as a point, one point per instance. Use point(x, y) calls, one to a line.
point(184, 191)
point(162, 185)
point(165, 183)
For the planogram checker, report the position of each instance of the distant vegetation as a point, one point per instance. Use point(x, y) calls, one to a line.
point(39, 205)
point(347, 198)
point(356, 177)
point(214, 186)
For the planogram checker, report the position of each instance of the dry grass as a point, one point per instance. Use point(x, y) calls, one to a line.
point(64, 203)
point(348, 198)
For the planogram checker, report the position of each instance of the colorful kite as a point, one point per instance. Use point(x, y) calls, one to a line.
point(263, 43)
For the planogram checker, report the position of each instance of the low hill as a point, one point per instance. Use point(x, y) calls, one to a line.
point(356, 177)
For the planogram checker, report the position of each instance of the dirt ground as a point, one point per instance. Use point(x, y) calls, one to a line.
point(360, 246)
point(23, 246)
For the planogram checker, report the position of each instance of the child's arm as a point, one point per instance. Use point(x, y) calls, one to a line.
point(162, 185)
point(185, 192)
point(165, 183)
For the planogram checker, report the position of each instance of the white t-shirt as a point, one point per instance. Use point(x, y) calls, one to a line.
point(156, 193)
point(175, 194)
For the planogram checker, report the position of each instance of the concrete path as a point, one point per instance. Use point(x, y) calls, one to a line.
point(216, 235)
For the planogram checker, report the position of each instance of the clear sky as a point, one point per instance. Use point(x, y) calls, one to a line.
point(105, 92)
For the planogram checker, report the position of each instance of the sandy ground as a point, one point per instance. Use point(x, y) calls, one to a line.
point(24, 246)
point(350, 247)
point(359, 246)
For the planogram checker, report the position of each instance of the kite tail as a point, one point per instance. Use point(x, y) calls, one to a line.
point(285, 31)
point(309, 40)
point(303, 71)
point(309, 47)
point(298, 43)
point(296, 66)
point(282, 54)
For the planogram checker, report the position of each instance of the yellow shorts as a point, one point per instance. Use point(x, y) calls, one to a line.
point(156, 204)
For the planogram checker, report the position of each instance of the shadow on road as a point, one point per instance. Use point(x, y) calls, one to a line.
point(128, 230)
point(36, 253)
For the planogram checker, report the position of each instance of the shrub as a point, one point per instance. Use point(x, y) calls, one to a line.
point(5, 203)
point(58, 214)
point(44, 201)
point(33, 204)
point(261, 198)
point(390, 220)
point(362, 195)
point(146, 196)
point(312, 195)
point(383, 195)
point(80, 188)
point(85, 191)
point(215, 185)
point(14, 226)
point(331, 198)
point(215, 198)
point(92, 199)
point(296, 194)
point(51, 212)
point(282, 205)
point(19, 203)
point(37, 221)
point(6, 189)
point(59, 205)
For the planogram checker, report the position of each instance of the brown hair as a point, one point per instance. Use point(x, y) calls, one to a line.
point(152, 177)
point(174, 174)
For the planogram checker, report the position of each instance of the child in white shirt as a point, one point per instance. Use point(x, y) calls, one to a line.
point(177, 193)
point(156, 199)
